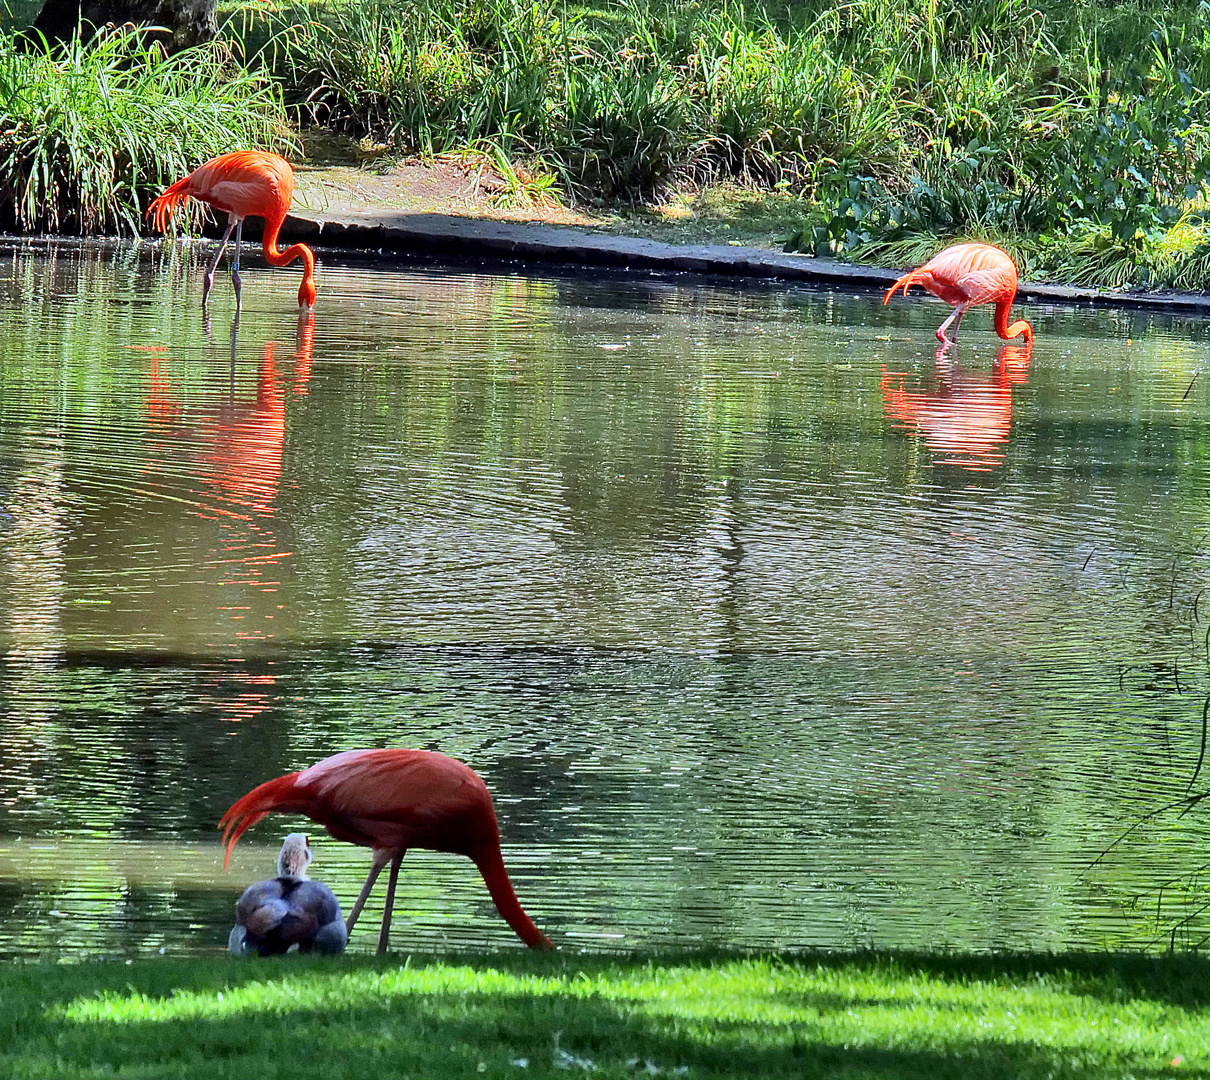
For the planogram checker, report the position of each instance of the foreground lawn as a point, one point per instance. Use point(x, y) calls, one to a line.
point(525, 1015)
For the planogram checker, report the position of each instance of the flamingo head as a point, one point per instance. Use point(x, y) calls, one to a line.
point(306, 296)
point(294, 856)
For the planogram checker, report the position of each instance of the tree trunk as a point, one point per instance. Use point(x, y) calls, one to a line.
point(187, 22)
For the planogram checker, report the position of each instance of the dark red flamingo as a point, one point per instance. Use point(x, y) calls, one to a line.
point(389, 801)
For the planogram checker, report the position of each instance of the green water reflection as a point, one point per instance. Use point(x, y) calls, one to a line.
point(766, 624)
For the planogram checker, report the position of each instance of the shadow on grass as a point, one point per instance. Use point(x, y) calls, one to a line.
point(520, 1014)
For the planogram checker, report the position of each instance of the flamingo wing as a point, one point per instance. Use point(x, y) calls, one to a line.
point(985, 285)
point(408, 787)
point(245, 183)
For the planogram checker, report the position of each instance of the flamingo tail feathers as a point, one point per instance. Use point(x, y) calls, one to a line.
point(164, 206)
point(255, 806)
point(904, 283)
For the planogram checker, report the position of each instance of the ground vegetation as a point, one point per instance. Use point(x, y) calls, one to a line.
point(521, 1015)
point(1073, 133)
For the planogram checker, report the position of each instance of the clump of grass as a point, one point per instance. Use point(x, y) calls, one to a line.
point(621, 101)
point(1084, 144)
point(89, 131)
point(892, 117)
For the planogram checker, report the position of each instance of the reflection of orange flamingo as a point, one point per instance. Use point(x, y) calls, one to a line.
point(162, 406)
point(248, 183)
point(302, 355)
point(238, 455)
point(243, 459)
point(967, 274)
point(967, 419)
point(244, 456)
point(389, 801)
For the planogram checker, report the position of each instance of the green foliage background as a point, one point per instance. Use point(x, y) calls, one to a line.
point(1074, 133)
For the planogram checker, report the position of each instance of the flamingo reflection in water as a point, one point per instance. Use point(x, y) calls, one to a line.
point(967, 418)
point(237, 447)
point(234, 447)
point(244, 459)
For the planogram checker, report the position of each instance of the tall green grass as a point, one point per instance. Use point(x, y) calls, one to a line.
point(90, 131)
point(1074, 131)
point(621, 101)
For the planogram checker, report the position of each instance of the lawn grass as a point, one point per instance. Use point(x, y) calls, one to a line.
point(517, 1014)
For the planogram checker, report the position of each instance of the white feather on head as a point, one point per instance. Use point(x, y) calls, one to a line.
point(294, 856)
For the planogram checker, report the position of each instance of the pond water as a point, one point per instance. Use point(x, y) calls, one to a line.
point(767, 626)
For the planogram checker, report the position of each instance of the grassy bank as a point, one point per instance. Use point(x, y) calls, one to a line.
point(87, 134)
point(519, 1015)
point(1076, 134)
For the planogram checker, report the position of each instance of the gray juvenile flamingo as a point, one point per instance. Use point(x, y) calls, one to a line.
point(289, 910)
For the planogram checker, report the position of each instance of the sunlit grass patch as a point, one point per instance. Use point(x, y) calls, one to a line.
point(527, 1015)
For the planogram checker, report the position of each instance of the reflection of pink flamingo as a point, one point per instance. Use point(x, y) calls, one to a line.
point(967, 419)
point(965, 275)
point(246, 444)
point(302, 355)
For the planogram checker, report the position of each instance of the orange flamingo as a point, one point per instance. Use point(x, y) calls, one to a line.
point(248, 183)
point(389, 801)
point(967, 274)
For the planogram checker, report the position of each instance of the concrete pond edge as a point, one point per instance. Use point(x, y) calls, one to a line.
point(412, 235)
point(389, 235)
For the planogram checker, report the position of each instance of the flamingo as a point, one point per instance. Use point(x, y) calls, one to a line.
point(248, 183)
point(967, 274)
point(389, 801)
point(289, 910)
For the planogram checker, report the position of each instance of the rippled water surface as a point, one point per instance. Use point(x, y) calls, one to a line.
point(766, 625)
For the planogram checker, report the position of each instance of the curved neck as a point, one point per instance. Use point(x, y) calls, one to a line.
point(1007, 331)
point(276, 257)
point(491, 866)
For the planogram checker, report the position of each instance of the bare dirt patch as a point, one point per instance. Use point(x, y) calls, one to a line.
point(340, 175)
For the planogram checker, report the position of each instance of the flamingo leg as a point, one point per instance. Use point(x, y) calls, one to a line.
point(956, 319)
point(385, 933)
point(208, 280)
point(380, 860)
point(239, 236)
